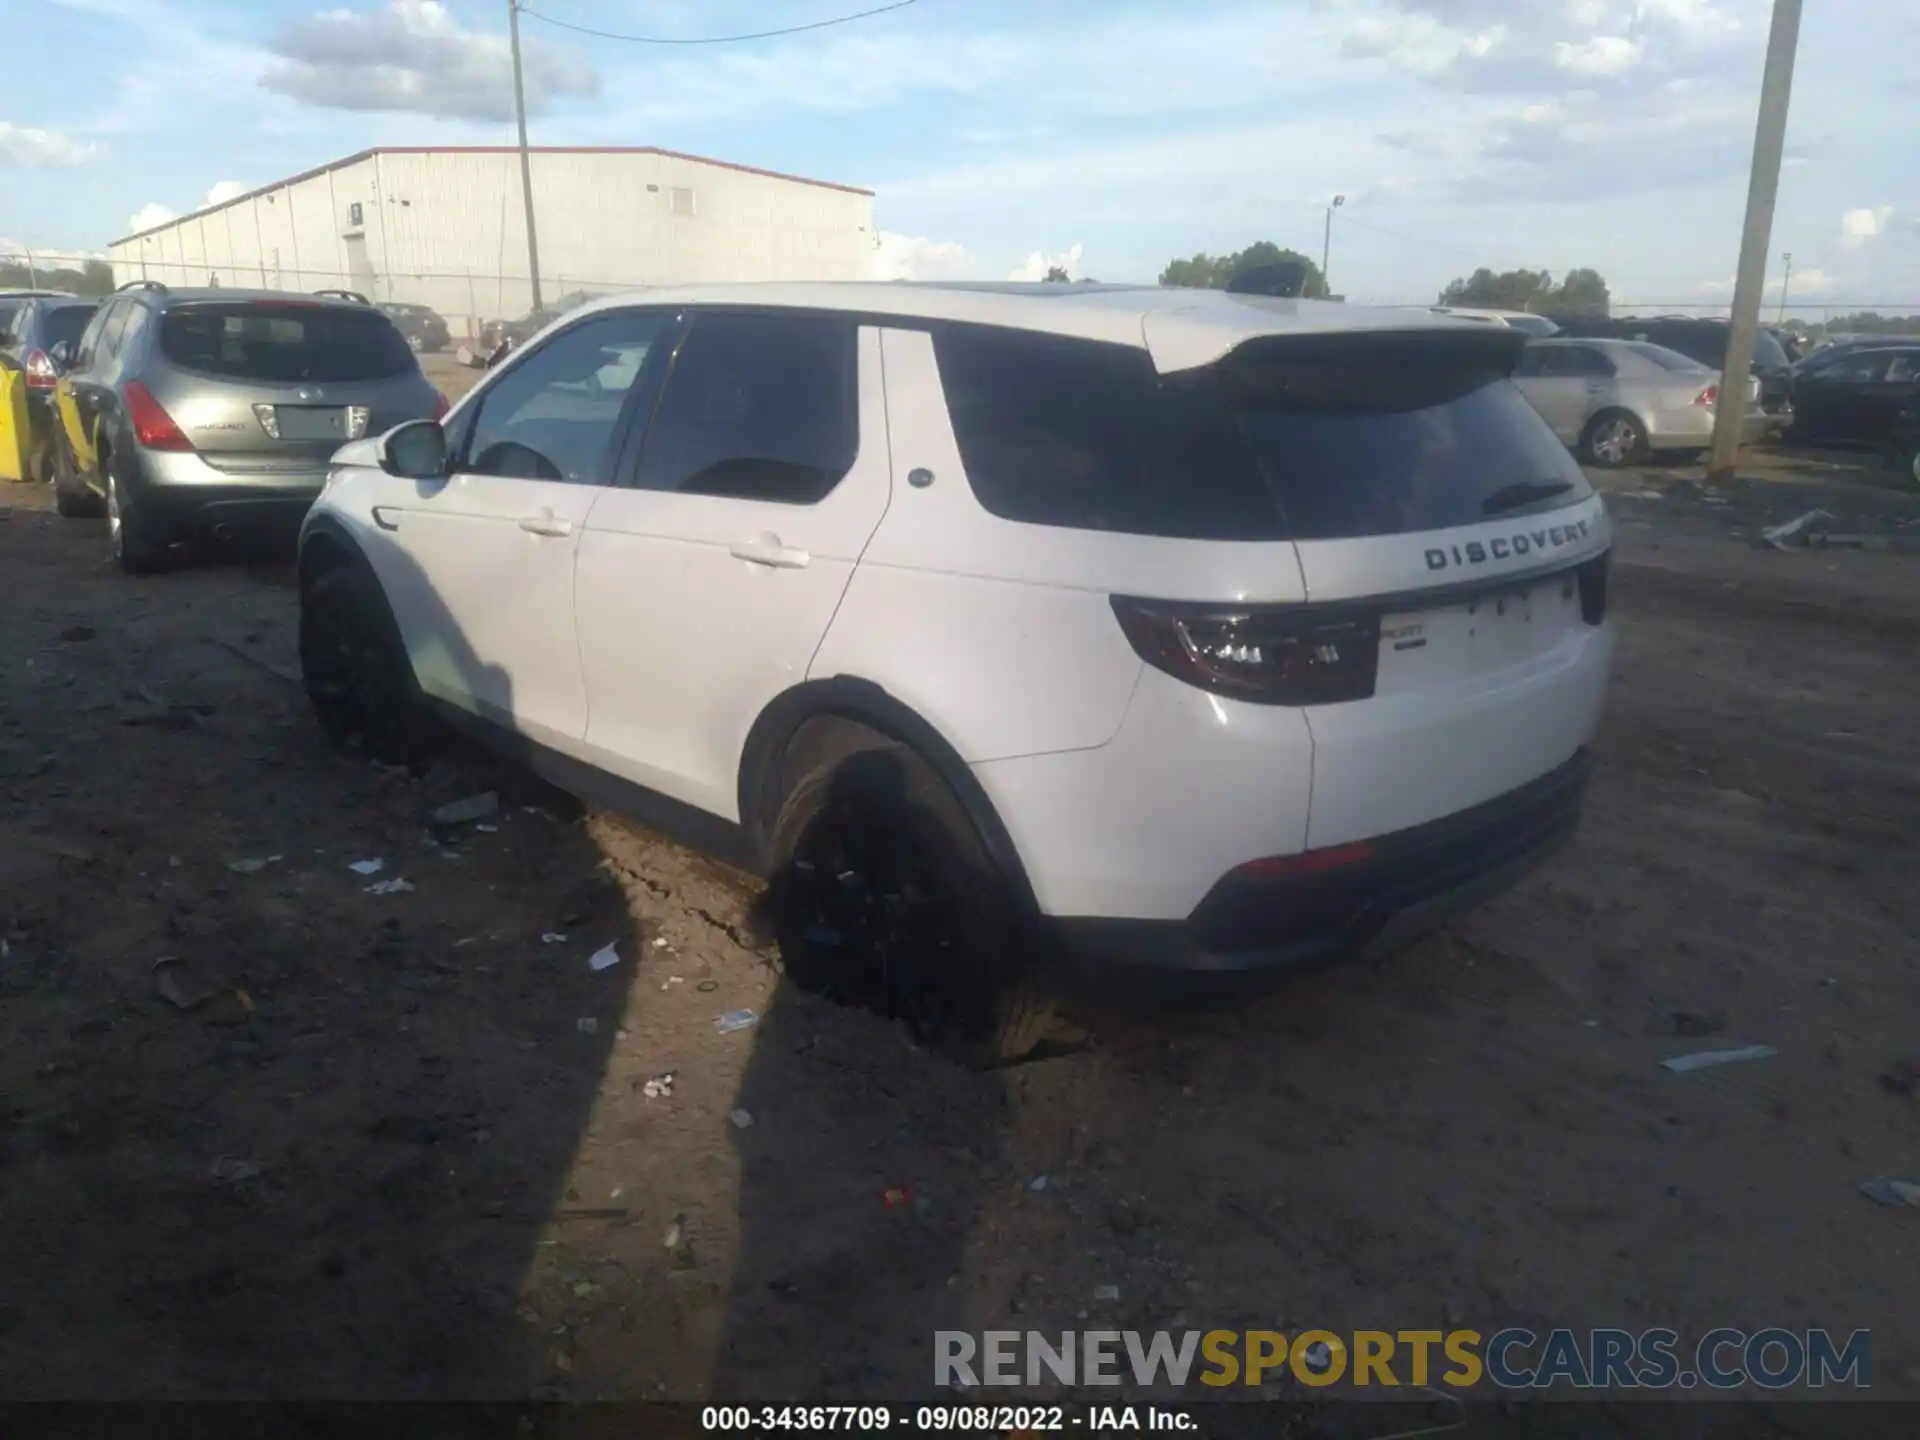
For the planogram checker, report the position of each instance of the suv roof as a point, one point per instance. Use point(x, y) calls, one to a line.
point(1180, 329)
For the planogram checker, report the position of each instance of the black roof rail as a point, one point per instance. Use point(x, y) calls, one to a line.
point(353, 295)
point(141, 285)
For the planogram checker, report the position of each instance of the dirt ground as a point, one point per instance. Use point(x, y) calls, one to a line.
point(401, 1146)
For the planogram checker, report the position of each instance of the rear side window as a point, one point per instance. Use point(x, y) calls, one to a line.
point(757, 407)
point(1318, 439)
point(1056, 431)
point(1663, 357)
point(284, 343)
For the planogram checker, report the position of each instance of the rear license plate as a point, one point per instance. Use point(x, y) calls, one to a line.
point(309, 422)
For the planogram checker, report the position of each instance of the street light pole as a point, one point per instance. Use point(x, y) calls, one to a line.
point(1763, 186)
point(526, 164)
point(1326, 245)
point(1786, 283)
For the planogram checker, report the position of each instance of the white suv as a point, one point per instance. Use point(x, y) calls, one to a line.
point(1153, 630)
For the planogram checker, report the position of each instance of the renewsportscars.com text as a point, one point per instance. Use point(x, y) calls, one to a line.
point(1510, 1359)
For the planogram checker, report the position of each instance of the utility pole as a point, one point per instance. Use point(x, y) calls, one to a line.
point(1786, 283)
point(1326, 244)
point(1763, 186)
point(526, 163)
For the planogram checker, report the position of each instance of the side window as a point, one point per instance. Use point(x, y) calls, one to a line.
point(1532, 361)
point(1904, 368)
point(1867, 369)
point(1588, 362)
point(1076, 433)
point(10, 312)
point(129, 338)
point(89, 345)
point(109, 347)
point(554, 416)
point(758, 407)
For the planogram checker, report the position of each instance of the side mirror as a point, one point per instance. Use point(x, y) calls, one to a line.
point(61, 354)
point(416, 450)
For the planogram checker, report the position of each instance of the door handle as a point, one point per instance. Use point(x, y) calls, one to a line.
point(767, 550)
point(546, 523)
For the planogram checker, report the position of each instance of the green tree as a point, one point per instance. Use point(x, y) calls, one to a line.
point(95, 277)
point(1057, 274)
point(1213, 272)
point(1582, 292)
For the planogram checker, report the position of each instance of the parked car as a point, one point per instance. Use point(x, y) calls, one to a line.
point(1903, 446)
point(210, 414)
point(500, 336)
point(1141, 630)
point(34, 329)
point(1526, 321)
point(422, 327)
point(1618, 401)
point(1705, 340)
point(1859, 395)
point(1827, 354)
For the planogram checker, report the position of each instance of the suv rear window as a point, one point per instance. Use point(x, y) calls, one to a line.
point(284, 343)
point(1326, 438)
point(66, 323)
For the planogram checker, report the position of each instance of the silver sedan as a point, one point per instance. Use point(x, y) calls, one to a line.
point(1617, 401)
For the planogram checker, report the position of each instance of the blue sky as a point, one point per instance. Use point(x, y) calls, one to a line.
point(1001, 136)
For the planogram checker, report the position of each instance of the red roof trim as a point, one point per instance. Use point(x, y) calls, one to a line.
point(360, 155)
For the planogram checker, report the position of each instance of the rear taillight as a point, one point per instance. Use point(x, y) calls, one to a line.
point(40, 372)
point(440, 406)
point(1269, 657)
point(1307, 862)
point(152, 426)
point(1707, 396)
point(1593, 588)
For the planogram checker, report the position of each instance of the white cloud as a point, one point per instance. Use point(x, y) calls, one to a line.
point(913, 257)
point(223, 191)
point(25, 145)
point(1859, 226)
point(149, 215)
point(1599, 55)
point(1038, 263)
point(414, 56)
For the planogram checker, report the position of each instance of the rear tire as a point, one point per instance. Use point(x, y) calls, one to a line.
point(135, 549)
point(1613, 439)
point(883, 893)
point(358, 677)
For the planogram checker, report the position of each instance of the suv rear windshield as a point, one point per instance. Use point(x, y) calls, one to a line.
point(284, 343)
point(1325, 438)
point(66, 323)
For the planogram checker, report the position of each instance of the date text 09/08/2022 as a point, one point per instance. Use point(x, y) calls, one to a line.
point(968, 1419)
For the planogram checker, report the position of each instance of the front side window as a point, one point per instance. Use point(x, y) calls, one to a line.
point(758, 407)
point(1904, 368)
point(555, 415)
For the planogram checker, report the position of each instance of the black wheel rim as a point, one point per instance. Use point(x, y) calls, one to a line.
point(348, 669)
point(873, 919)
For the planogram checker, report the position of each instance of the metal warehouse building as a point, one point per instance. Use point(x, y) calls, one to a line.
point(447, 228)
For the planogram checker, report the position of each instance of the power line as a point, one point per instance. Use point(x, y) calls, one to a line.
point(718, 39)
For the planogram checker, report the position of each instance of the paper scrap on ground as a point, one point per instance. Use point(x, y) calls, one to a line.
point(368, 867)
point(605, 958)
point(1706, 1059)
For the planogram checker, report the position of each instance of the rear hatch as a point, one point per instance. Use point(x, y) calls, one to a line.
point(276, 386)
point(1453, 560)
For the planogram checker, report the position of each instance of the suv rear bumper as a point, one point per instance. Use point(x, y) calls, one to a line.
point(1408, 884)
point(184, 498)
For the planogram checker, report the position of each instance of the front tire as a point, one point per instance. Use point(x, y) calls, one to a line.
point(358, 677)
point(883, 893)
point(1613, 439)
point(71, 498)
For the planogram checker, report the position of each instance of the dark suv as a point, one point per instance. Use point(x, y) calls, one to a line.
point(422, 328)
point(39, 332)
point(213, 414)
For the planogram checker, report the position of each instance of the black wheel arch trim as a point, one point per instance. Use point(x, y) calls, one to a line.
point(326, 530)
point(846, 697)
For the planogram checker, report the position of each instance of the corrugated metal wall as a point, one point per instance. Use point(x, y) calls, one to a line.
point(446, 228)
